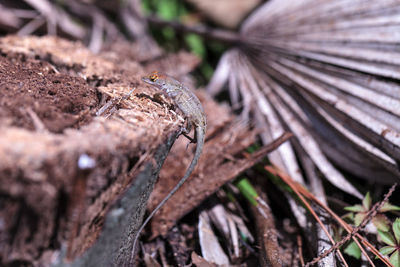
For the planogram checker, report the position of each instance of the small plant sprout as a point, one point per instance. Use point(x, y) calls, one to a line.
point(392, 241)
point(359, 212)
point(380, 221)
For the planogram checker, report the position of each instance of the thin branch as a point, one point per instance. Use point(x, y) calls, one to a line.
point(32, 26)
point(208, 33)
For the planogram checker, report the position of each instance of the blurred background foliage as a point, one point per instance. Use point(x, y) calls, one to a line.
point(172, 41)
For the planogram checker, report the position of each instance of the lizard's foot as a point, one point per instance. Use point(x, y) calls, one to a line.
point(186, 130)
point(192, 140)
point(185, 133)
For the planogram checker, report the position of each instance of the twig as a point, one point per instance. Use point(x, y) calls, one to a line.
point(100, 22)
point(300, 246)
point(57, 16)
point(266, 229)
point(136, 28)
point(214, 34)
point(32, 26)
point(132, 18)
point(24, 13)
point(371, 214)
point(114, 104)
point(37, 123)
point(273, 145)
point(96, 38)
point(8, 17)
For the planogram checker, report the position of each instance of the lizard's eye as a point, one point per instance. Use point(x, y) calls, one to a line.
point(153, 77)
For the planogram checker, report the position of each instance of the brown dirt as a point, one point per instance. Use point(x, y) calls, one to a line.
point(28, 85)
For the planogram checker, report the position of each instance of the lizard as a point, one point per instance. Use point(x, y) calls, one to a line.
point(192, 109)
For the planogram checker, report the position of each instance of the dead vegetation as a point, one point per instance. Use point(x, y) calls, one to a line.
point(324, 70)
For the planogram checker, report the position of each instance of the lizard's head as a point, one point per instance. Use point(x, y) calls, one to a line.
point(155, 78)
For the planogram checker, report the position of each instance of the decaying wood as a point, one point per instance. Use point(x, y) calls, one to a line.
point(270, 253)
point(41, 192)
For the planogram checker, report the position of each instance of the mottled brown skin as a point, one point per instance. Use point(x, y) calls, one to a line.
point(191, 107)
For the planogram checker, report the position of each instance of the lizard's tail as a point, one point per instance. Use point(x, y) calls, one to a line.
point(200, 135)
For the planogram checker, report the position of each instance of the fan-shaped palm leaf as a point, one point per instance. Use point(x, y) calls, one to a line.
point(328, 71)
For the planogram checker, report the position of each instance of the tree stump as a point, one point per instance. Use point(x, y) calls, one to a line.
point(51, 210)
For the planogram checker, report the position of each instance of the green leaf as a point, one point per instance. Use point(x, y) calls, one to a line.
point(167, 9)
point(349, 217)
point(387, 238)
point(253, 148)
point(367, 201)
point(196, 44)
point(386, 250)
point(395, 259)
point(355, 208)
point(396, 230)
point(247, 190)
point(353, 250)
point(381, 222)
point(389, 207)
point(359, 218)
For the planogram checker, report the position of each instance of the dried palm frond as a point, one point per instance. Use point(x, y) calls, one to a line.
point(329, 72)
